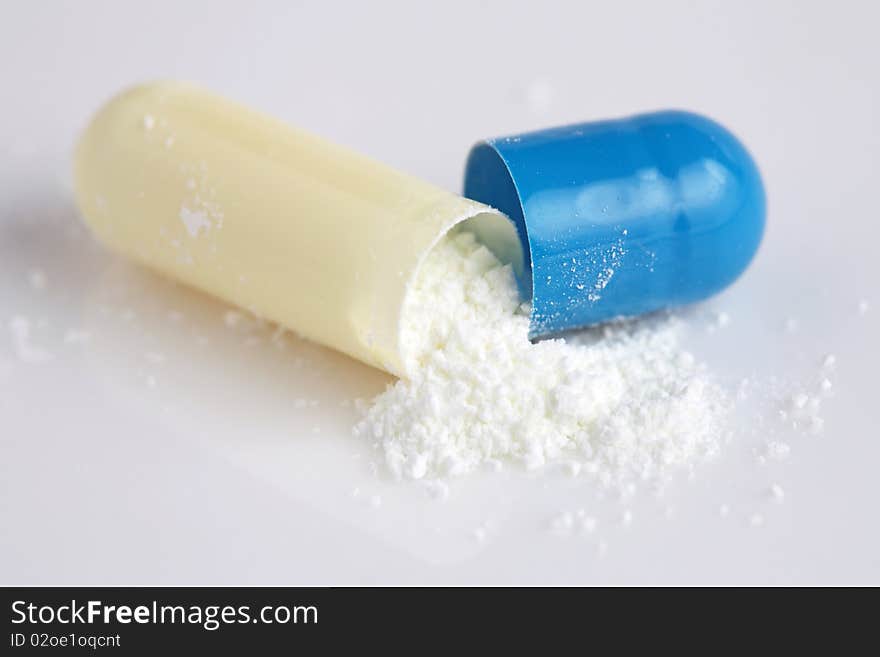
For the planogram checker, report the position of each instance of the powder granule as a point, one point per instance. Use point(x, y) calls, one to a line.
point(622, 401)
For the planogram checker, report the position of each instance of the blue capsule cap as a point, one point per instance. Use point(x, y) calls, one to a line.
point(623, 217)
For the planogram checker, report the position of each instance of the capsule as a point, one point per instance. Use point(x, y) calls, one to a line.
point(623, 217)
point(267, 217)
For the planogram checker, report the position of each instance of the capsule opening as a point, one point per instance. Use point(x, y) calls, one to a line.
point(491, 229)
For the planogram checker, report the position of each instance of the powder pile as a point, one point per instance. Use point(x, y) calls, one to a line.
point(622, 402)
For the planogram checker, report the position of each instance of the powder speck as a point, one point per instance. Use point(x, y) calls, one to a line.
point(777, 493)
point(777, 450)
point(800, 400)
point(588, 524)
point(562, 523)
point(24, 349)
point(194, 220)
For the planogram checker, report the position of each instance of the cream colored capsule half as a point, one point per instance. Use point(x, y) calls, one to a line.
point(267, 217)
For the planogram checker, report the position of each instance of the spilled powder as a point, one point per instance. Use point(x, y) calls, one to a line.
point(22, 342)
point(622, 402)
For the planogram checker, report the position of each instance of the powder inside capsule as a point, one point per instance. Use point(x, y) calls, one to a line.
point(623, 401)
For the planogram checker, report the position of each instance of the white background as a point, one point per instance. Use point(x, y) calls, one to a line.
point(167, 448)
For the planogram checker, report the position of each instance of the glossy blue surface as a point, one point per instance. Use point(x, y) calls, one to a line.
point(623, 217)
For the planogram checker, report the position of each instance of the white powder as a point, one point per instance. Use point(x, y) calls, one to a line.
point(563, 523)
point(22, 343)
point(194, 220)
point(777, 450)
point(622, 402)
point(588, 524)
point(777, 493)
